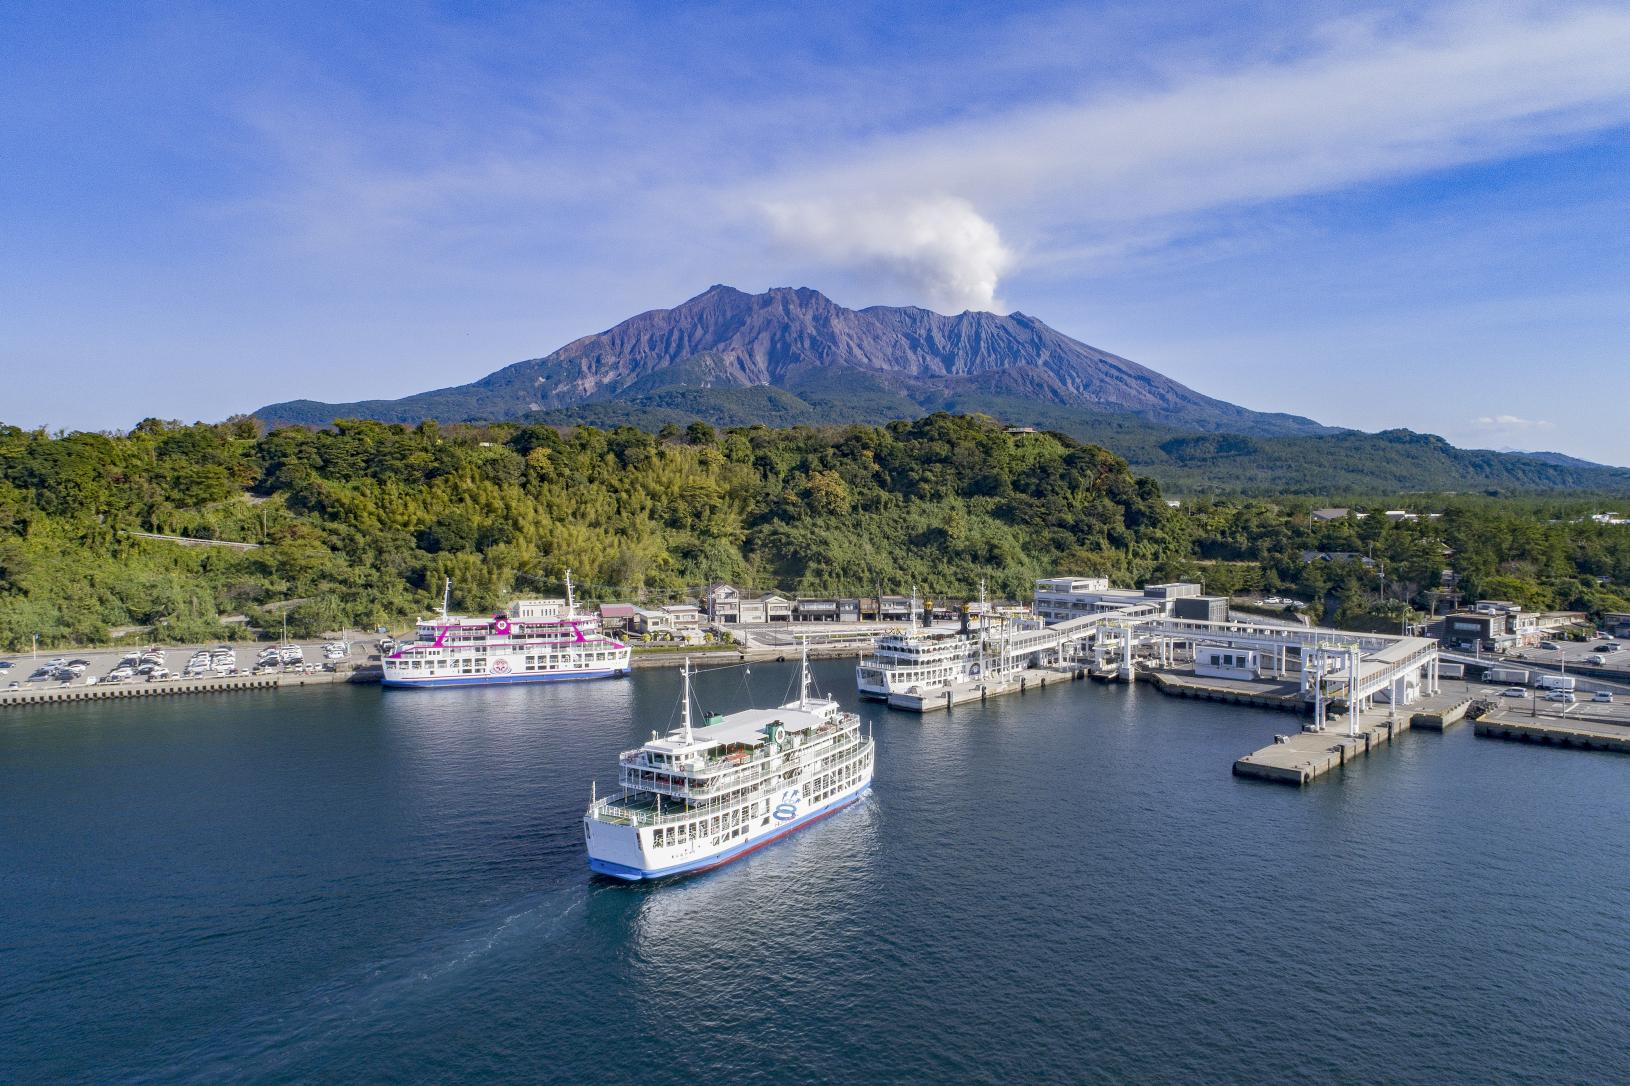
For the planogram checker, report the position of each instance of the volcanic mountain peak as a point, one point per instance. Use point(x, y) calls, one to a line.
point(795, 338)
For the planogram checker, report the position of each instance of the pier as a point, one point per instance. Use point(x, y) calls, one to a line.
point(1304, 756)
point(1300, 757)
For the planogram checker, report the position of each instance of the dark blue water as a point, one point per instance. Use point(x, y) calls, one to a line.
point(353, 885)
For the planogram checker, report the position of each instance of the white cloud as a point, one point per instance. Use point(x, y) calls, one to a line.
point(1510, 423)
point(937, 246)
point(1363, 105)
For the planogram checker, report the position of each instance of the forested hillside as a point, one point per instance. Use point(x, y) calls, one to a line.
point(362, 522)
point(358, 525)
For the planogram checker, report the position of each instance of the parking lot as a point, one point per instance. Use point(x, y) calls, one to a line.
point(31, 671)
point(1578, 654)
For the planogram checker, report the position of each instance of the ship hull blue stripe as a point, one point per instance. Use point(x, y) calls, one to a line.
point(501, 680)
point(719, 859)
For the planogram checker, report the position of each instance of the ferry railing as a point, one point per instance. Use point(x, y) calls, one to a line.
point(611, 810)
point(749, 771)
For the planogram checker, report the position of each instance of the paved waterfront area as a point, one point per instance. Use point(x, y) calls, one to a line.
point(25, 666)
point(1557, 729)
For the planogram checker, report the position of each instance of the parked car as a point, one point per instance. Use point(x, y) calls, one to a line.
point(5, 665)
point(1548, 645)
point(14, 685)
point(1596, 658)
point(1603, 695)
point(158, 674)
point(1513, 692)
point(1561, 695)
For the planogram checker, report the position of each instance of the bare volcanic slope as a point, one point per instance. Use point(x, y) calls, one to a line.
point(798, 339)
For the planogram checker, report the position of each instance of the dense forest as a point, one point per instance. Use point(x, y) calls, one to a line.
point(1182, 461)
point(359, 524)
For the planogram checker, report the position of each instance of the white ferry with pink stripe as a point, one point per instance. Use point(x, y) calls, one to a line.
point(533, 641)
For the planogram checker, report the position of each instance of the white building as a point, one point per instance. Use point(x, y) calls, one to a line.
point(1059, 599)
point(1225, 662)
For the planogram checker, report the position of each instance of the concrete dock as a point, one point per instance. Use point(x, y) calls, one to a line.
point(939, 698)
point(1300, 757)
point(1263, 694)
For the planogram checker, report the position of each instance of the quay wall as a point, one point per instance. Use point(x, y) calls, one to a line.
point(66, 694)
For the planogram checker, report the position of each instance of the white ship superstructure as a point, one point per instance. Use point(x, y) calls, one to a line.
point(918, 661)
point(702, 796)
point(531, 641)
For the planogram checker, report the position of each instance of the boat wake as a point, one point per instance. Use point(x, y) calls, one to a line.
point(296, 1033)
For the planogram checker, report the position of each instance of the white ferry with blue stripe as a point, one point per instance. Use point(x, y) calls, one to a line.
point(701, 797)
point(533, 641)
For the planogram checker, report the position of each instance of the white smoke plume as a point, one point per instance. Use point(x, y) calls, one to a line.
point(938, 247)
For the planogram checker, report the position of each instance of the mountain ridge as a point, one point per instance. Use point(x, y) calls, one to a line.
point(792, 357)
point(787, 337)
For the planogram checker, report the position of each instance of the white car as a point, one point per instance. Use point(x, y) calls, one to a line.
point(1596, 658)
point(1513, 692)
point(1603, 695)
point(1561, 695)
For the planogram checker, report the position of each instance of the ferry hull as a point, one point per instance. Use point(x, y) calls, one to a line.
point(696, 866)
point(503, 680)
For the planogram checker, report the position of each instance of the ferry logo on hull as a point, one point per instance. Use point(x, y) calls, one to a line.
point(787, 809)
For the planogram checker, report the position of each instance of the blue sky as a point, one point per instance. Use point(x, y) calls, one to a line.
point(1377, 216)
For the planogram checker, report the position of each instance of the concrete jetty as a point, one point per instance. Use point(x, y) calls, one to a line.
point(1300, 757)
point(1264, 694)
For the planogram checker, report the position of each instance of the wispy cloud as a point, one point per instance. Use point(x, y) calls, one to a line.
point(811, 175)
point(1358, 104)
point(1507, 424)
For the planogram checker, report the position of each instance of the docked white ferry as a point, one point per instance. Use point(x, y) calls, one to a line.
point(533, 641)
point(905, 662)
point(698, 798)
point(918, 661)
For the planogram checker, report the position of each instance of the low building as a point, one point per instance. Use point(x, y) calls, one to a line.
point(684, 616)
point(1471, 630)
point(1058, 599)
point(649, 622)
point(1332, 513)
point(894, 609)
point(822, 609)
point(1225, 662)
point(616, 616)
point(723, 603)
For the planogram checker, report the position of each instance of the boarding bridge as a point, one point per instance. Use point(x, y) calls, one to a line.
point(1066, 637)
point(1355, 668)
point(1348, 666)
